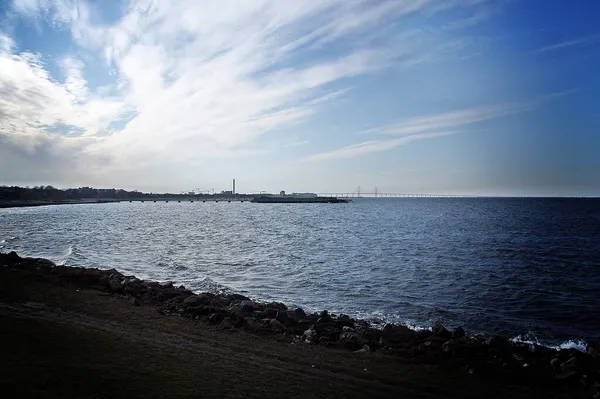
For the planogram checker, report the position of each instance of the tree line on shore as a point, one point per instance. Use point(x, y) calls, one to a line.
point(49, 193)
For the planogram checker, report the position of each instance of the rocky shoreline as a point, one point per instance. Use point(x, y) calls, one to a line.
point(489, 357)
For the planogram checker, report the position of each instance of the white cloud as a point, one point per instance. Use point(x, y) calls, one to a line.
point(197, 78)
point(581, 41)
point(368, 147)
point(425, 127)
point(451, 119)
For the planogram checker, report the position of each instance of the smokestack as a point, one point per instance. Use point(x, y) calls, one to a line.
point(233, 190)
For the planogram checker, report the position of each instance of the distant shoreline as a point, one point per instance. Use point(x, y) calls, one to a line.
point(23, 204)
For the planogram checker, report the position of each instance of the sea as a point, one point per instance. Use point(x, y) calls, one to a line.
point(526, 268)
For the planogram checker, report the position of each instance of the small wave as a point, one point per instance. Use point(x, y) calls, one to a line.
point(579, 345)
point(65, 257)
point(206, 284)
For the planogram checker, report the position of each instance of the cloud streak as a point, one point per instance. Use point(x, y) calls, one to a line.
point(372, 146)
point(582, 41)
point(422, 128)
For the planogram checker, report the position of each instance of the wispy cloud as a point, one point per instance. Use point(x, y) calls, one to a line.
point(582, 41)
point(368, 147)
point(451, 119)
point(421, 128)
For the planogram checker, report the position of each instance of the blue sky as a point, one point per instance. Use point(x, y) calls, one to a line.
point(479, 97)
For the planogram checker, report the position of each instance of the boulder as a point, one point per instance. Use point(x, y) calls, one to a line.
point(276, 325)
point(299, 313)
point(215, 318)
point(351, 340)
point(449, 346)
point(344, 321)
point(131, 290)
point(441, 331)
point(197, 300)
point(593, 349)
point(276, 305)
point(248, 306)
point(283, 317)
point(365, 349)
point(458, 333)
point(310, 335)
point(270, 313)
point(570, 364)
point(104, 281)
point(115, 285)
point(498, 342)
point(238, 298)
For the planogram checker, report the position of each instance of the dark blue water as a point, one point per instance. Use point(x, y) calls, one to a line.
point(519, 267)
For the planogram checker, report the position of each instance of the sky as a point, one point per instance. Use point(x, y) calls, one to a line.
point(481, 97)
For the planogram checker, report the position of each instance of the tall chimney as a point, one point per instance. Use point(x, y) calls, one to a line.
point(233, 191)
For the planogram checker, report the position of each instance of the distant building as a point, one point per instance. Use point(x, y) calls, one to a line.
point(305, 195)
point(229, 192)
point(282, 192)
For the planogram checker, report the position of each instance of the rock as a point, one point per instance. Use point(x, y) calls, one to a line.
point(215, 318)
point(197, 300)
point(458, 333)
point(276, 305)
point(365, 349)
point(299, 313)
point(104, 281)
point(238, 298)
point(236, 312)
point(324, 315)
point(130, 290)
point(310, 335)
point(166, 284)
point(563, 375)
point(248, 306)
point(351, 340)
point(276, 325)
point(440, 330)
point(593, 349)
point(115, 285)
point(344, 321)
point(269, 313)
point(135, 302)
point(283, 317)
point(555, 363)
point(569, 365)
point(449, 346)
point(348, 329)
point(497, 342)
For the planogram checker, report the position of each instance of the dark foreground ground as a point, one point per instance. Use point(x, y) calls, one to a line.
point(70, 333)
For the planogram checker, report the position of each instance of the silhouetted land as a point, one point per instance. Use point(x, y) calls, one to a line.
point(86, 333)
point(15, 196)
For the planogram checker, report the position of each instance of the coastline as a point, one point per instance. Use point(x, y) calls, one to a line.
point(25, 204)
point(493, 360)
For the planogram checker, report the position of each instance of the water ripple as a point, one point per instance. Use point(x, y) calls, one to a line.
point(527, 267)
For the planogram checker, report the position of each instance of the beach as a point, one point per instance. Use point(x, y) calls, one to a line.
point(75, 332)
